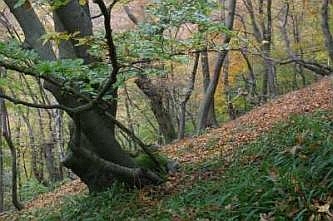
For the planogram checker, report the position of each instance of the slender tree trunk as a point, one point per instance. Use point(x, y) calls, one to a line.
point(326, 29)
point(206, 102)
point(251, 76)
point(188, 92)
point(142, 111)
point(2, 193)
point(59, 137)
point(50, 161)
point(2, 189)
point(129, 118)
point(263, 35)
point(284, 32)
point(267, 47)
point(225, 75)
point(17, 144)
point(211, 118)
point(48, 146)
point(6, 134)
point(296, 19)
point(21, 153)
point(34, 151)
point(45, 153)
point(226, 89)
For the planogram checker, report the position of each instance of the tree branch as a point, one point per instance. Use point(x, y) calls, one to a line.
point(33, 105)
point(76, 110)
point(111, 48)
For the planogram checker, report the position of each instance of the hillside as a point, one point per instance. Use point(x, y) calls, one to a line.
point(197, 154)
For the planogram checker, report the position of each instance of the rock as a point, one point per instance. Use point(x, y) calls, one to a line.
point(173, 166)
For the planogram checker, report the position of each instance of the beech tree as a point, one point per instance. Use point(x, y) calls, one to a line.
point(94, 153)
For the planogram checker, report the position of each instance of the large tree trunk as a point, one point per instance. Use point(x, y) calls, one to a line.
point(163, 117)
point(32, 28)
point(94, 153)
point(96, 136)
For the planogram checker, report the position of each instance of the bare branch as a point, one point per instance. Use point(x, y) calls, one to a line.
point(33, 105)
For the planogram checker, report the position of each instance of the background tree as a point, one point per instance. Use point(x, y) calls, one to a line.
point(210, 91)
point(326, 29)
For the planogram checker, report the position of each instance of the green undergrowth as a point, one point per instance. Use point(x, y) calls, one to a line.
point(32, 188)
point(286, 174)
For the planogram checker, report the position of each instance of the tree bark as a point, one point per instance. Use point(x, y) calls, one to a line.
point(96, 141)
point(206, 102)
point(162, 116)
point(251, 76)
point(2, 193)
point(296, 19)
point(73, 18)
point(211, 118)
point(32, 28)
point(50, 161)
point(267, 47)
point(129, 118)
point(263, 35)
point(17, 143)
point(326, 29)
point(45, 153)
point(188, 92)
point(161, 113)
point(34, 151)
point(6, 134)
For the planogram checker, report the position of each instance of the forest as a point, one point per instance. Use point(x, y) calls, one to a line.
point(166, 110)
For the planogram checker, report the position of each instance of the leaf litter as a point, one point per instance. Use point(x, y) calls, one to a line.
point(220, 142)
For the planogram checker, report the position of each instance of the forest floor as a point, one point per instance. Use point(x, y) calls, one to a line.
point(220, 143)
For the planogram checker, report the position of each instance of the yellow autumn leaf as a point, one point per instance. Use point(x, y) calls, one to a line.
point(82, 2)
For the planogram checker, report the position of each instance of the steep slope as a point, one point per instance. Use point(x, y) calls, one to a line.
point(223, 140)
point(220, 142)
